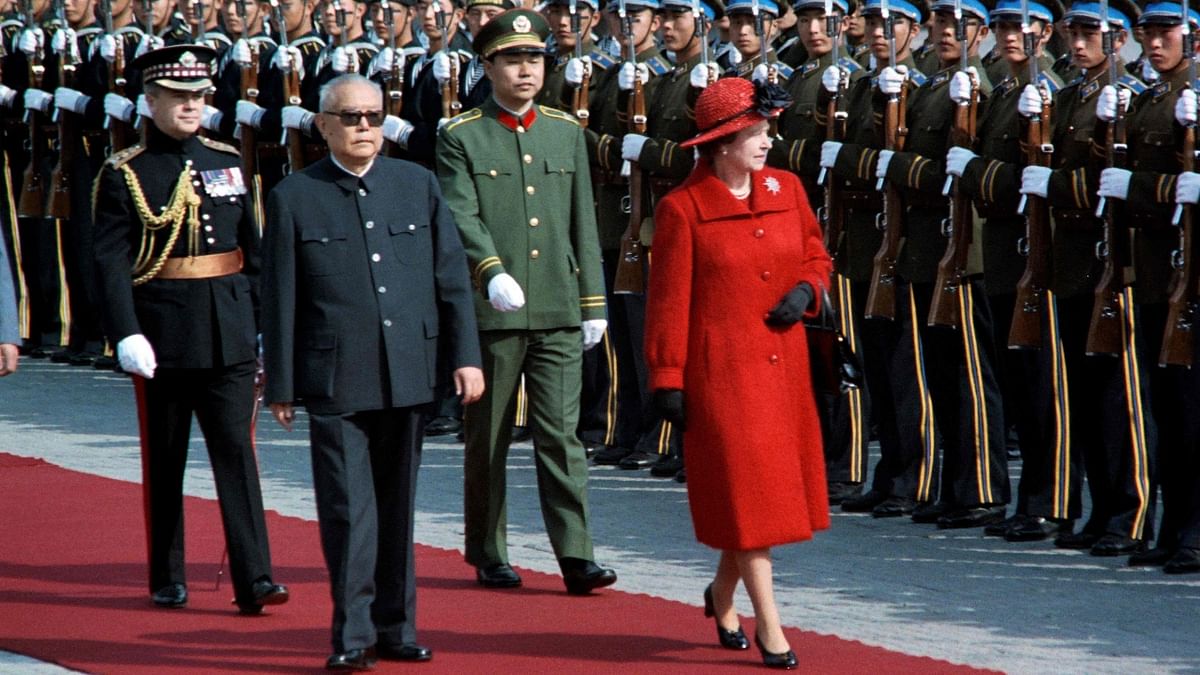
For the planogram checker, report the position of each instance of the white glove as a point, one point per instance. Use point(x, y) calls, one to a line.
point(885, 158)
point(759, 74)
point(36, 99)
point(210, 118)
point(345, 60)
point(295, 117)
point(72, 100)
point(961, 85)
point(1114, 183)
point(1185, 108)
point(148, 44)
point(118, 107)
point(143, 108)
point(441, 68)
point(631, 146)
point(383, 62)
point(64, 39)
point(625, 77)
point(31, 41)
point(106, 47)
point(1187, 187)
point(505, 293)
point(7, 95)
point(831, 79)
point(576, 69)
point(249, 114)
point(240, 52)
point(397, 129)
point(892, 79)
point(1035, 180)
point(701, 76)
point(829, 153)
point(957, 159)
point(284, 59)
point(1030, 103)
point(1106, 103)
point(136, 356)
point(593, 332)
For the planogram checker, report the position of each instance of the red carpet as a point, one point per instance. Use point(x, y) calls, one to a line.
point(73, 592)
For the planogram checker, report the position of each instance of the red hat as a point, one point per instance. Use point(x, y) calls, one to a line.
point(731, 104)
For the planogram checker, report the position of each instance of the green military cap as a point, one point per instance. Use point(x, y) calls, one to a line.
point(514, 31)
point(503, 4)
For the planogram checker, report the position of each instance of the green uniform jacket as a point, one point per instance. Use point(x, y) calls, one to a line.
point(555, 92)
point(522, 199)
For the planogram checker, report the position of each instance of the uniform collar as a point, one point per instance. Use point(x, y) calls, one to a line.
point(335, 173)
point(511, 121)
point(157, 141)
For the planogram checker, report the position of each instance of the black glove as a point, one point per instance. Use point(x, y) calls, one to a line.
point(669, 405)
point(792, 307)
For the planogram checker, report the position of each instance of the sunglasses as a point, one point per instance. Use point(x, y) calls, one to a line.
point(351, 118)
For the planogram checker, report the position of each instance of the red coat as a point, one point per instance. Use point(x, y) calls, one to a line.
point(755, 467)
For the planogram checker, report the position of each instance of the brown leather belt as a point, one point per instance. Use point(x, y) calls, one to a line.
point(202, 266)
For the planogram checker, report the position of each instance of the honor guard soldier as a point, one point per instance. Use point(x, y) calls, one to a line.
point(561, 85)
point(296, 117)
point(536, 264)
point(349, 49)
point(751, 23)
point(203, 17)
point(176, 260)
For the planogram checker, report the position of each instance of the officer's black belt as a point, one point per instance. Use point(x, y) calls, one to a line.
point(861, 199)
point(202, 266)
point(1076, 219)
point(661, 186)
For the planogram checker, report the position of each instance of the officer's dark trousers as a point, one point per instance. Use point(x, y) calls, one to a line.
point(365, 476)
point(222, 401)
point(41, 260)
point(845, 416)
point(78, 253)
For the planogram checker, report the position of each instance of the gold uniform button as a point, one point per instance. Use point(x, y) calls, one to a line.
point(534, 254)
point(528, 159)
point(529, 189)
point(534, 222)
point(492, 173)
point(766, 276)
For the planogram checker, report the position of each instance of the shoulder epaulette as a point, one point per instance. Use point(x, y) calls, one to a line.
point(218, 37)
point(303, 42)
point(410, 52)
point(363, 46)
point(116, 160)
point(90, 30)
point(1132, 83)
point(463, 55)
point(12, 23)
point(1160, 89)
point(850, 64)
point(1075, 82)
point(1050, 81)
point(785, 71)
point(126, 30)
point(462, 118)
point(659, 65)
point(917, 76)
point(809, 66)
point(602, 58)
point(558, 114)
point(218, 145)
point(940, 78)
point(263, 39)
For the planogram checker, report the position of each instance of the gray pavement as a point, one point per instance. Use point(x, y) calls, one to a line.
point(954, 595)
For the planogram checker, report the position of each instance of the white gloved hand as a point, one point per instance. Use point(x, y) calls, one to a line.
point(1185, 108)
point(593, 332)
point(701, 76)
point(631, 146)
point(397, 129)
point(829, 153)
point(441, 68)
point(881, 166)
point(7, 95)
point(1187, 187)
point(961, 85)
point(1106, 103)
point(505, 293)
point(1035, 180)
point(106, 47)
point(1030, 104)
point(143, 107)
point(64, 39)
point(1114, 183)
point(383, 62)
point(957, 159)
point(136, 356)
point(283, 60)
point(210, 118)
point(148, 44)
point(240, 52)
point(118, 107)
point(892, 79)
point(627, 73)
point(831, 79)
point(760, 73)
point(36, 99)
point(249, 114)
point(71, 100)
point(31, 41)
point(345, 60)
point(295, 117)
point(576, 69)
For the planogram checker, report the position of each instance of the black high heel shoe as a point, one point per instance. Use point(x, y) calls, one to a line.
point(785, 661)
point(729, 639)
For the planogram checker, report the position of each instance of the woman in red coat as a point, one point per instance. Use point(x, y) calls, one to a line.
point(738, 260)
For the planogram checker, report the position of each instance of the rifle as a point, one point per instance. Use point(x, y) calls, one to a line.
point(1031, 305)
point(249, 91)
point(1178, 339)
point(831, 214)
point(1104, 328)
point(60, 176)
point(701, 20)
point(393, 101)
point(339, 13)
point(33, 188)
point(119, 132)
point(291, 94)
point(198, 27)
point(760, 30)
point(944, 309)
point(881, 298)
point(579, 100)
point(631, 270)
point(451, 106)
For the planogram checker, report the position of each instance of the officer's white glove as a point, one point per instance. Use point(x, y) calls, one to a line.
point(629, 71)
point(31, 41)
point(143, 107)
point(1187, 187)
point(249, 114)
point(7, 95)
point(701, 75)
point(210, 118)
point(957, 159)
point(593, 332)
point(441, 68)
point(576, 70)
point(631, 146)
point(64, 39)
point(240, 52)
point(136, 356)
point(345, 60)
point(892, 79)
point(1114, 183)
point(760, 73)
point(71, 100)
point(505, 293)
point(961, 85)
point(295, 117)
point(106, 47)
point(383, 62)
point(1185, 108)
point(881, 166)
point(36, 99)
point(1106, 103)
point(829, 153)
point(831, 79)
point(1035, 180)
point(118, 107)
point(1030, 104)
point(148, 44)
point(397, 130)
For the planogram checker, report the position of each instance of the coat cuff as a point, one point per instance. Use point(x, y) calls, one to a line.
point(485, 270)
point(666, 378)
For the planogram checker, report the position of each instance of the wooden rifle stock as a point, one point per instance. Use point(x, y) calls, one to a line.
point(1031, 304)
point(1178, 338)
point(1104, 328)
point(881, 298)
point(249, 141)
point(68, 129)
point(631, 265)
point(832, 215)
point(944, 309)
point(579, 99)
point(33, 189)
point(120, 133)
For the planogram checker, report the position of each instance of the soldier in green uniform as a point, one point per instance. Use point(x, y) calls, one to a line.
point(558, 90)
point(514, 177)
point(744, 35)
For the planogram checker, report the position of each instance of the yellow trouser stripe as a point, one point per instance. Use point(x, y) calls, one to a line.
point(664, 438)
point(23, 320)
point(1133, 403)
point(520, 419)
point(610, 408)
point(1062, 415)
point(853, 396)
point(928, 458)
point(983, 469)
point(64, 293)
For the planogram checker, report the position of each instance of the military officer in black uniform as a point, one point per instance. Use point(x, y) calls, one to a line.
point(177, 264)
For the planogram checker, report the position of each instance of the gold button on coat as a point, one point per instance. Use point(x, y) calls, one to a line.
point(534, 254)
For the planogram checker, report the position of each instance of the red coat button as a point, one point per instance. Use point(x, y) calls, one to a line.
point(774, 359)
point(759, 233)
point(766, 276)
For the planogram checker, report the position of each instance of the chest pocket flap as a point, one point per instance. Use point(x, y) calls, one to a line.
point(489, 166)
point(560, 165)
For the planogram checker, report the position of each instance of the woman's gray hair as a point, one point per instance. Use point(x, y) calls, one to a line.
point(330, 88)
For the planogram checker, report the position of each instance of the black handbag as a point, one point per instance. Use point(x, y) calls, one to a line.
point(834, 365)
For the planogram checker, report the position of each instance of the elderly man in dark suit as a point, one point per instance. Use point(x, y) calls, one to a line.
point(365, 295)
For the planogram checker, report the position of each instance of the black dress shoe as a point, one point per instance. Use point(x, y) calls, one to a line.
point(840, 491)
point(1114, 544)
point(893, 507)
point(784, 661)
point(1155, 557)
point(584, 576)
point(443, 426)
point(83, 358)
point(105, 363)
point(666, 466)
point(44, 352)
point(1037, 528)
point(610, 456)
point(403, 652)
point(638, 459)
point(521, 434)
point(974, 516)
point(1185, 561)
point(929, 512)
point(1076, 540)
point(62, 356)
point(729, 639)
point(498, 575)
point(681, 477)
point(265, 592)
point(171, 596)
point(864, 502)
point(591, 447)
point(352, 659)
point(1001, 528)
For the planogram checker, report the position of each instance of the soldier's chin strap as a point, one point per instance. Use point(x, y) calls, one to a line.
point(184, 206)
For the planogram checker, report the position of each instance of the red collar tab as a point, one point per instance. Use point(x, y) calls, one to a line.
point(512, 122)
